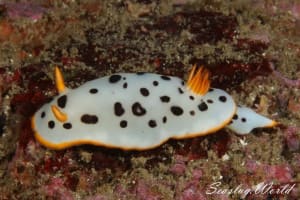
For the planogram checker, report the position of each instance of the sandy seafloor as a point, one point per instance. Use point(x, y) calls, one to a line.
point(252, 49)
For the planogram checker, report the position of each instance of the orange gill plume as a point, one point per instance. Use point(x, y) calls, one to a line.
point(198, 81)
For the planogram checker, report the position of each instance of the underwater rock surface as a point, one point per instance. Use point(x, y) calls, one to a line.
point(251, 48)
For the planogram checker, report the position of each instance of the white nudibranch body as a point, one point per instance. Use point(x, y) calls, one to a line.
point(139, 111)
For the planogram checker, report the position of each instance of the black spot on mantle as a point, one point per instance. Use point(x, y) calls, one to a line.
point(114, 78)
point(61, 101)
point(222, 99)
point(67, 125)
point(137, 109)
point(118, 109)
point(89, 119)
point(166, 78)
point(152, 123)
point(93, 90)
point(176, 110)
point(165, 99)
point(202, 106)
point(144, 91)
point(51, 124)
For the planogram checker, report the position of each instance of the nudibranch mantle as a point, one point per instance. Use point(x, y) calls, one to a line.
point(139, 111)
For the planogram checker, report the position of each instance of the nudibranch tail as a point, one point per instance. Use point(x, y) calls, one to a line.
point(246, 119)
point(59, 81)
point(59, 115)
point(198, 82)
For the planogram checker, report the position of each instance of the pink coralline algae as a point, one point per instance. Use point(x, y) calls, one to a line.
point(178, 168)
point(143, 192)
point(276, 176)
point(281, 172)
point(180, 165)
point(281, 6)
point(57, 190)
point(192, 189)
point(252, 166)
point(97, 197)
point(197, 174)
point(291, 138)
point(8, 79)
point(287, 81)
point(191, 193)
point(292, 7)
point(297, 162)
point(24, 9)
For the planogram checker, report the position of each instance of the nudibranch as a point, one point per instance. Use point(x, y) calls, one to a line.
point(139, 111)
